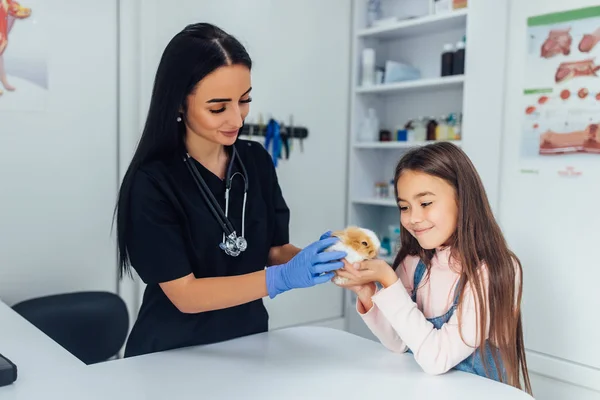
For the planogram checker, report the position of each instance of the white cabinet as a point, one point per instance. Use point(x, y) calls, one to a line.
point(415, 38)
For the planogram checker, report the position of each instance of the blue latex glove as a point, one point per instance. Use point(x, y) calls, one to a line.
point(325, 235)
point(311, 266)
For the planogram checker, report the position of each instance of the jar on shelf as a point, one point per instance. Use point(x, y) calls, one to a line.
point(381, 190)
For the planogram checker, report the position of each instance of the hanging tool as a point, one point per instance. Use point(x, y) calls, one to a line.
point(293, 135)
point(285, 140)
point(273, 135)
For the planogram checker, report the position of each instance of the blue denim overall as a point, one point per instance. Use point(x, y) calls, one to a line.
point(472, 363)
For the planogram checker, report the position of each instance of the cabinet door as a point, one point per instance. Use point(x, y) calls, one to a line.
point(58, 150)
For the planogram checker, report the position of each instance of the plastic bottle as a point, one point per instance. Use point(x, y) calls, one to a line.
point(373, 11)
point(458, 61)
point(420, 129)
point(431, 127)
point(369, 131)
point(441, 130)
point(458, 127)
point(394, 233)
point(451, 126)
point(447, 59)
point(368, 67)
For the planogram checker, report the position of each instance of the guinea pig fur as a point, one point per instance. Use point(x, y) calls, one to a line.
point(359, 244)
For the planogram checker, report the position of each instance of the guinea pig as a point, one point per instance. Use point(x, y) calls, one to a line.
point(359, 244)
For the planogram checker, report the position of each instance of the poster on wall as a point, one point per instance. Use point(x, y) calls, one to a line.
point(23, 68)
point(561, 107)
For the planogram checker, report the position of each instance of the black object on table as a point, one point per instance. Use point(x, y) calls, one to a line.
point(8, 371)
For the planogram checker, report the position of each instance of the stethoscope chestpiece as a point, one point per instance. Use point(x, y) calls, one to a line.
point(233, 245)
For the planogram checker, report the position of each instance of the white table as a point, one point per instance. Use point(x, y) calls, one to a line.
point(293, 363)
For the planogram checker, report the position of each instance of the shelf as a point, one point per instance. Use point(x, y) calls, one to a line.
point(375, 201)
point(398, 145)
point(417, 26)
point(414, 85)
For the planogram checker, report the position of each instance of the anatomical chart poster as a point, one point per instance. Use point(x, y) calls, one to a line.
point(23, 64)
point(562, 92)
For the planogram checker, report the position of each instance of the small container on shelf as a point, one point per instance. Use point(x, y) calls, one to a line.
point(394, 234)
point(369, 129)
point(442, 6)
point(447, 68)
point(458, 59)
point(381, 190)
point(399, 72)
point(385, 136)
point(386, 247)
point(420, 129)
point(374, 12)
point(459, 4)
point(441, 130)
point(453, 126)
point(368, 67)
point(431, 128)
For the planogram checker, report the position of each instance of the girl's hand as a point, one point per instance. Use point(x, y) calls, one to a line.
point(363, 292)
point(367, 272)
point(367, 289)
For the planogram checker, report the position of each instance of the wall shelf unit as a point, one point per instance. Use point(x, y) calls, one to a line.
point(416, 26)
point(396, 144)
point(417, 38)
point(430, 84)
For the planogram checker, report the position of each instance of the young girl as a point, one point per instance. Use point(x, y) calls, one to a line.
point(453, 294)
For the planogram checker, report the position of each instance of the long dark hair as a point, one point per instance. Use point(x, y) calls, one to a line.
point(192, 54)
point(477, 240)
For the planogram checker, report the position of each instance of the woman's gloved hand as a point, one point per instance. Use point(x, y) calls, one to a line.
point(311, 266)
point(325, 235)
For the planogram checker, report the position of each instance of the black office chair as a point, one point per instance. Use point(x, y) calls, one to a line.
point(92, 326)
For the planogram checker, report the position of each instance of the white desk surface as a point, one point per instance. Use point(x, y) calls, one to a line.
point(293, 363)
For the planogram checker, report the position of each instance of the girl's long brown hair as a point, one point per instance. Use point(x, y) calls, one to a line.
point(478, 239)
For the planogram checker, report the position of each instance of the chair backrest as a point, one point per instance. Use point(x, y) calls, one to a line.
point(92, 326)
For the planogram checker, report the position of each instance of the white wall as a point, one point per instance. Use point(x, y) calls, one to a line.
point(550, 224)
point(301, 67)
point(58, 152)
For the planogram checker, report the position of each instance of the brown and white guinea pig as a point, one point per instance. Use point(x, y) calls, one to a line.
point(359, 244)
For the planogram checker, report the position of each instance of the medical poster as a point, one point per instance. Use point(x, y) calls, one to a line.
point(23, 69)
point(561, 107)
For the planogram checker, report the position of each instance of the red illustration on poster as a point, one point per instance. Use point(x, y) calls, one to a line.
point(561, 98)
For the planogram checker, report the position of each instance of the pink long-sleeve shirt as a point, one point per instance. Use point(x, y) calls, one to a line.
point(400, 324)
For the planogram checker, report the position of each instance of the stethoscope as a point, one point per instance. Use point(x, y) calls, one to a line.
point(232, 244)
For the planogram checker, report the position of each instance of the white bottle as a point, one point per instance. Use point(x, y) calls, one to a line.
point(420, 129)
point(369, 130)
point(368, 67)
point(373, 12)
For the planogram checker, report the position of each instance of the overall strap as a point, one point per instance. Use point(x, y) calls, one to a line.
point(457, 293)
point(419, 272)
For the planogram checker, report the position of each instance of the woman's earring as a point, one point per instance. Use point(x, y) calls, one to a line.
point(179, 119)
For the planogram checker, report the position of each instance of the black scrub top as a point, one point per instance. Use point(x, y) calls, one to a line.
point(173, 233)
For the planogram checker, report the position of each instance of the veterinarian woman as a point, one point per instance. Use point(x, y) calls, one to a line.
point(200, 212)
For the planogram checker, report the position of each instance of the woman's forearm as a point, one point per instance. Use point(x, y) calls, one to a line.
point(282, 254)
point(191, 295)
